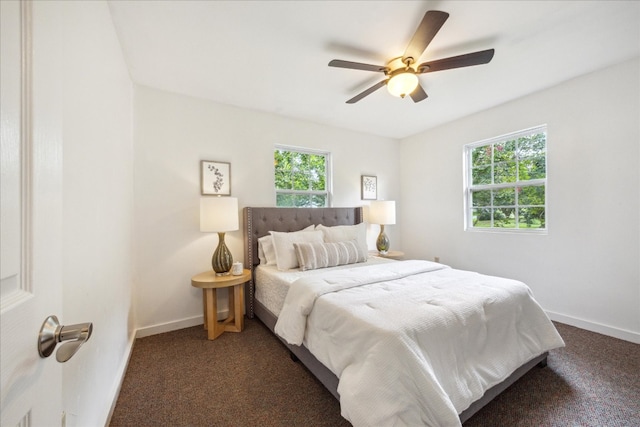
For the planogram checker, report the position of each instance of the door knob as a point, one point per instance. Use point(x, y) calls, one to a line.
point(51, 333)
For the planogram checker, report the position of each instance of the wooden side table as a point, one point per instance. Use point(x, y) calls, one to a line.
point(389, 254)
point(209, 283)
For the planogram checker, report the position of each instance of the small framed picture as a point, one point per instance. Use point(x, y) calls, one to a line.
point(369, 187)
point(215, 178)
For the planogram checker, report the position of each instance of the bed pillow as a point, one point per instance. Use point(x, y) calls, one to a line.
point(345, 233)
point(328, 254)
point(286, 258)
point(266, 250)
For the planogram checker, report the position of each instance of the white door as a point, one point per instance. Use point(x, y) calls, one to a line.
point(30, 207)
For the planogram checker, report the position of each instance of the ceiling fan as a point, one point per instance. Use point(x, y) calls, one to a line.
point(402, 72)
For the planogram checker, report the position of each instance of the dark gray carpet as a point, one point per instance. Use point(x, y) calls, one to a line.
point(247, 379)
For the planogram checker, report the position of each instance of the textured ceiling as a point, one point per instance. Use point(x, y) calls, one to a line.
point(272, 56)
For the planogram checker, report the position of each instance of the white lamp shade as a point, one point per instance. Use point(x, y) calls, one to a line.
point(218, 214)
point(382, 212)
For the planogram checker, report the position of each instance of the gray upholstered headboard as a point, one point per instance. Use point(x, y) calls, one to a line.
point(259, 221)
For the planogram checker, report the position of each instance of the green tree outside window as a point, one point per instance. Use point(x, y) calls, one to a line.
point(507, 182)
point(301, 178)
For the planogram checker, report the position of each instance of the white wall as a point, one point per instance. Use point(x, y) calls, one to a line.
point(172, 134)
point(586, 270)
point(97, 208)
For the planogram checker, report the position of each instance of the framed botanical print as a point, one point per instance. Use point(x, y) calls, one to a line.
point(369, 187)
point(215, 178)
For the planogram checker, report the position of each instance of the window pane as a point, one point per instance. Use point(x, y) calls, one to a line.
point(300, 181)
point(481, 198)
point(283, 181)
point(285, 200)
point(481, 175)
point(299, 171)
point(318, 201)
point(531, 195)
point(481, 218)
point(532, 145)
point(504, 172)
point(531, 218)
point(316, 165)
point(500, 218)
point(504, 151)
point(532, 168)
point(301, 200)
point(504, 217)
point(283, 168)
point(504, 197)
point(481, 156)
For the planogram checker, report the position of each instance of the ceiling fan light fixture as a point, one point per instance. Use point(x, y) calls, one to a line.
point(402, 84)
point(401, 73)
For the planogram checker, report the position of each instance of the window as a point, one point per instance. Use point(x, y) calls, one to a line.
point(506, 182)
point(302, 177)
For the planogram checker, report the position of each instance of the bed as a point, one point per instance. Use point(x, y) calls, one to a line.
point(259, 222)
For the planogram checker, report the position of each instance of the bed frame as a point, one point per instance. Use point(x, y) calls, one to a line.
point(259, 221)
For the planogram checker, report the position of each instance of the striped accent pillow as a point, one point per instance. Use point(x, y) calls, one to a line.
point(328, 254)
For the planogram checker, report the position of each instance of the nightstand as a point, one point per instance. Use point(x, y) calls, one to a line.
point(389, 254)
point(209, 283)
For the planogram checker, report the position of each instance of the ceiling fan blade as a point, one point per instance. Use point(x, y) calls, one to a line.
point(418, 94)
point(356, 65)
point(466, 60)
point(428, 28)
point(367, 92)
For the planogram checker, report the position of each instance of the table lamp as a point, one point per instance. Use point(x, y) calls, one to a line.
point(219, 215)
point(382, 212)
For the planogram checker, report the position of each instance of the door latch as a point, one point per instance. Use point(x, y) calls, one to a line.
point(51, 333)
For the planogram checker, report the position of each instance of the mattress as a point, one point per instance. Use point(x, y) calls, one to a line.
point(272, 285)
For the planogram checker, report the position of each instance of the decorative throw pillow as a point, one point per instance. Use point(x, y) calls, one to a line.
point(283, 243)
point(323, 254)
point(344, 233)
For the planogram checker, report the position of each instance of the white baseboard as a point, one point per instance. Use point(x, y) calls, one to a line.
point(622, 334)
point(176, 325)
point(117, 385)
point(169, 326)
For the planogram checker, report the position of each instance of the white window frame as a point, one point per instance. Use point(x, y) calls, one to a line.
point(327, 179)
point(469, 187)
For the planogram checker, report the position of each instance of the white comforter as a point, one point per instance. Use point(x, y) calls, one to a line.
point(414, 342)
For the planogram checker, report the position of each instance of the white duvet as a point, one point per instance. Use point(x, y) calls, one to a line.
point(414, 342)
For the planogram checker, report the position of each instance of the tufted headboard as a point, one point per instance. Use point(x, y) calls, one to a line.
point(259, 221)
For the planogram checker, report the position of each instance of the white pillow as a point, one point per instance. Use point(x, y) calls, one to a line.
point(266, 250)
point(283, 243)
point(323, 254)
point(344, 233)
